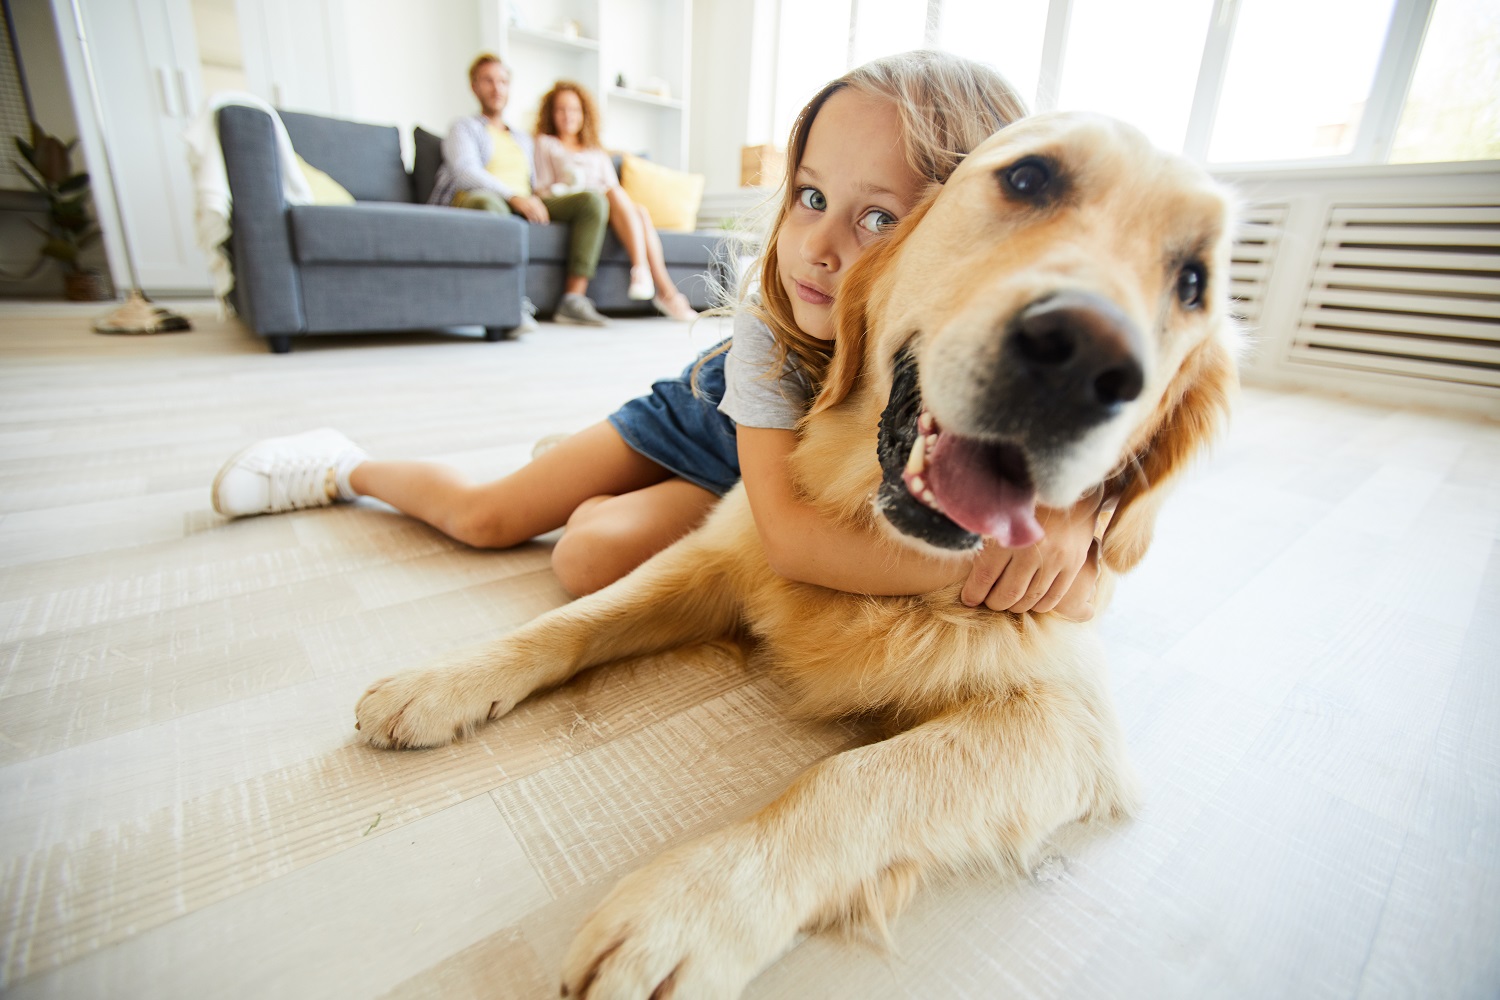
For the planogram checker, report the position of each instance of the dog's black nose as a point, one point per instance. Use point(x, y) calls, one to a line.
point(1081, 346)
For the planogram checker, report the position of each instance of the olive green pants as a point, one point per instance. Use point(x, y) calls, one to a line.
point(586, 211)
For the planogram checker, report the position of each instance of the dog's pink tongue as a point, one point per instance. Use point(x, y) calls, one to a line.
point(976, 497)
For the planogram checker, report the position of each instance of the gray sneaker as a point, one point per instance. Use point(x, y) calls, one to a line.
point(579, 310)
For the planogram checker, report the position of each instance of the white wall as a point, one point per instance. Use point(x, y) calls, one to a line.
point(733, 59)
point(407, 62)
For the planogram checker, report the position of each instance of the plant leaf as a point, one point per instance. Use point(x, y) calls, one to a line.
point(52, 160)
point(31, 176)
point(75, 183)
point(60, 249)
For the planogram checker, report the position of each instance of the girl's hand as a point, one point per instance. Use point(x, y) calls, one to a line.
point(1058, 573)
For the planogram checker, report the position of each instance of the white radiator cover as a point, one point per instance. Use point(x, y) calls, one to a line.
point(1380, 282)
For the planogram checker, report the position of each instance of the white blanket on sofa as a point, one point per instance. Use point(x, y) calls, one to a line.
point(211, 201)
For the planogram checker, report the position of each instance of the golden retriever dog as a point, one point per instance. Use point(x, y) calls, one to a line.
point(1050, 322)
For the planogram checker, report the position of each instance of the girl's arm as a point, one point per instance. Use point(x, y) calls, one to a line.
point(805, 546)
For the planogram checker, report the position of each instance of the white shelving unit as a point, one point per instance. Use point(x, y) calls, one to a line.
point(599, 43)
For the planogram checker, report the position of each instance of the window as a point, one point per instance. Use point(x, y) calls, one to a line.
point(1452, 110)
point(1006, 34)
point(1298, 79)
point(1149, 80)
point(1276, 82)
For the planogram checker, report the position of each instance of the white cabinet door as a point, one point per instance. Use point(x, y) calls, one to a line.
point(146, 67)
point(291, 59)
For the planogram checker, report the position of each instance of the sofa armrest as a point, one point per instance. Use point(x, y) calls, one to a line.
point(265, 273)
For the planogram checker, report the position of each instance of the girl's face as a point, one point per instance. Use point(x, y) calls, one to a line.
point(852, 185)
point(567, 114)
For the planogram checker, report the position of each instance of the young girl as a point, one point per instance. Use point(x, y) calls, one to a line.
point(569, 158)
point(861, 155)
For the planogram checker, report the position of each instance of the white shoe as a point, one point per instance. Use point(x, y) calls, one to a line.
point(287, 473)
point(641, 285)
point(676, 308)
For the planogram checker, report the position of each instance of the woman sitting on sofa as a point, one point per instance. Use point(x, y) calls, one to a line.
point(569, 158)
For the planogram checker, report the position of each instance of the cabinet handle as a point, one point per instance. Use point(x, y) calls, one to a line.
point(185, 88)
point(168, 93)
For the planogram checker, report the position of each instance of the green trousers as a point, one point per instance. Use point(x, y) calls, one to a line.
point(586, 211)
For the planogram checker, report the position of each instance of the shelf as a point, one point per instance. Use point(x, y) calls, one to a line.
point(643, 98)
point(556, 39)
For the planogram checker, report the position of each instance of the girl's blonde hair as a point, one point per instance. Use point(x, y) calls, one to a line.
point(546, 120)
point(946, 105)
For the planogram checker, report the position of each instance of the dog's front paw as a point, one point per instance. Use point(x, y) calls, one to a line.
point(423, 708)
point(698, 922)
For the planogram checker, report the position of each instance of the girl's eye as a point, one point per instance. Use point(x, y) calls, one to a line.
point(812, 198)
point(877, 221)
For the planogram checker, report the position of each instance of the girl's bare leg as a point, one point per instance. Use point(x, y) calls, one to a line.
point(530, 501)
point(608, 536)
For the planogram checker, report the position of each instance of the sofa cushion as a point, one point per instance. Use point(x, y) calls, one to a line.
point(365, 159)
point(404, 234)
point(549, 245)
point(427, 156)
point(325, 190)
point(669, 196)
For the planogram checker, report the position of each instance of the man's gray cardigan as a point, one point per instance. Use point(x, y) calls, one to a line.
point(466, 150)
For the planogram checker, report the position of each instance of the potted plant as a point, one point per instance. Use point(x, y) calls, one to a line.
point(49, 167)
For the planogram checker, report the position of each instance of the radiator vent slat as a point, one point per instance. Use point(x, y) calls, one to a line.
point(1254, 253)
point(1408, 289)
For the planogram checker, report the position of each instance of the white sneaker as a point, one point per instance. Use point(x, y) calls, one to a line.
point(641, 285)
point(287, 473)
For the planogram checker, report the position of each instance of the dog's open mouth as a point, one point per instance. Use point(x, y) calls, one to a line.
point(946, 489)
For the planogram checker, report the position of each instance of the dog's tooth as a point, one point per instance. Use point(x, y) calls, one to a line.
point(929, 499)
point(917, 461)
point(932, 440)
point(924, 422)
point(918, 487)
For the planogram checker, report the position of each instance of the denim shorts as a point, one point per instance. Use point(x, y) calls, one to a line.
point(682, 431)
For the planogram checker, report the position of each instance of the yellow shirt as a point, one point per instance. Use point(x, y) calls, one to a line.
point(508, 163)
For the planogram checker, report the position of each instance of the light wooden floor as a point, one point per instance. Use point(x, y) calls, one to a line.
point(1307, 665)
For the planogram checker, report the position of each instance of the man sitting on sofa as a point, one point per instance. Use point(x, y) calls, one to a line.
point(490, 166)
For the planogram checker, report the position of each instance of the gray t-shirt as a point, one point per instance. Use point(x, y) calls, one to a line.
point(752, 396)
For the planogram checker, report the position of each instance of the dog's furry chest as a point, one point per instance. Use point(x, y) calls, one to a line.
point(847, 653)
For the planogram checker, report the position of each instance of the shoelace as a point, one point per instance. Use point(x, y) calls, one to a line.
point(297, 484)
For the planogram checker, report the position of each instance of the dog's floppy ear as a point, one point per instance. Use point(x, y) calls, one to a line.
point(852, 320)
point(1195, 407)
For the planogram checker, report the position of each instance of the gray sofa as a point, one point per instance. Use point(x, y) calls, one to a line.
point(390, 262)
point(691, 258)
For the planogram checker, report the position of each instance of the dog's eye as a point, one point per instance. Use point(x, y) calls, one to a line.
point(1028, 178)
point(1190, 284)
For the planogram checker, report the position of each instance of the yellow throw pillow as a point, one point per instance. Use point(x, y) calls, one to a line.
point(670, 197)
point(325, 190)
